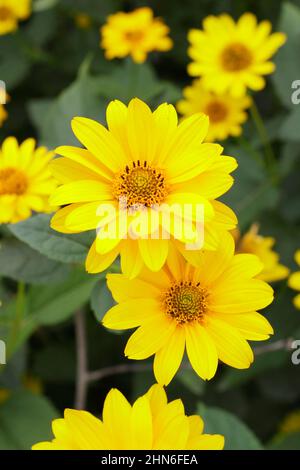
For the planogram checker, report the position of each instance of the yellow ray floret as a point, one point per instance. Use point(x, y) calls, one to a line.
point(209, 310)
point(11, 12)
point(253, 242)
point(135, 181)
point(294, 281)
point(134, 34)
point(233, 56)
point(150, 423)
point(25, 180)
point(226, 113)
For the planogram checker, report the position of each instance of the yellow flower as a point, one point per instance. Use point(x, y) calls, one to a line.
point(291, 423)
point(151, 163)
point(25, 180)
point(12, 11)
point(226, 113)
point(151, 423)
point(83, 20)
point(261, 246)
point(210, 310)
point(3, 114)
point(294, 280)
point(232, 57)
point(136, 34)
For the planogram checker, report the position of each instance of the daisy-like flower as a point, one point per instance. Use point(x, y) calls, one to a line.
point(154, 165)
point(226, 113)
point(150, 423)
point(209, 310)
point(136, 34)
point(294, 281)
point(253, 242)
point(232, 57)
point(11, 12)
point(25, 180)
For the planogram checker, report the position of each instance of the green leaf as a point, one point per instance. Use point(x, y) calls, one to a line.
point(290, 128)
point(287, 59)
point(237, 435)
point(14, 66)
point(25, 419)
point(19, 262)
point(36, 232)
point(252, 192)
point(53, 118)
point(53, 304)
point(101, 300)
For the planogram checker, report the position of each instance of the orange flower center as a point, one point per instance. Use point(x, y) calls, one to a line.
point(217, 111)
point(236, 57)
point(5, 13)
point(134, 36)
point(186, 302)
point(140, 184)
point(12, 181)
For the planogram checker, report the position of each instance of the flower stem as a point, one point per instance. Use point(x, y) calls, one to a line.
point(271, 162)
point(17, 323)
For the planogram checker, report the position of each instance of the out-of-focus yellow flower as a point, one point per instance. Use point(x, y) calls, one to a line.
point(83, 20)
point(25, 180)
point(226, 113)
point(4, 395)
point(136, 34)
point(294, 281)
point(145, 160)
point(3, 115)
point(33, 384)
point(262, 246)
point(11, 12)
point(209, 310)
point(232, 57)
point(291, 423)
point(150, 423)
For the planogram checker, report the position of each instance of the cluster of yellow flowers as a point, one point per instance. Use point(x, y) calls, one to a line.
point(202, 301)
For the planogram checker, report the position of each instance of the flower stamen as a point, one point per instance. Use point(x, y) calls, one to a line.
point(140, 185)
point(12, 181)
point(186, 302)
point(236, 57)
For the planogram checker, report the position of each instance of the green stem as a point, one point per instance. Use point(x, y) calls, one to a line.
point(271, 162)
point(17, 323)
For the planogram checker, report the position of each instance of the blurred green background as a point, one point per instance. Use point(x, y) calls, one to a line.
point(55, 70)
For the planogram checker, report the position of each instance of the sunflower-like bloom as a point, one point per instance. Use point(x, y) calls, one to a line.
point(209, 310)
point(252, 242)
point(294, 280)
point(11, 12)
point(136, 34)
point(233, 56)
point(25, 180)
point(150, 423)
point(226, 113)
point(142, 166)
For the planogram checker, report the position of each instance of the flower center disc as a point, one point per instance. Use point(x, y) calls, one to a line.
point(236, 57)
point(134, 36)
point(12, 181)
point(5, 13)
point(140, 184)
point(217, 111)
point(186, 302)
